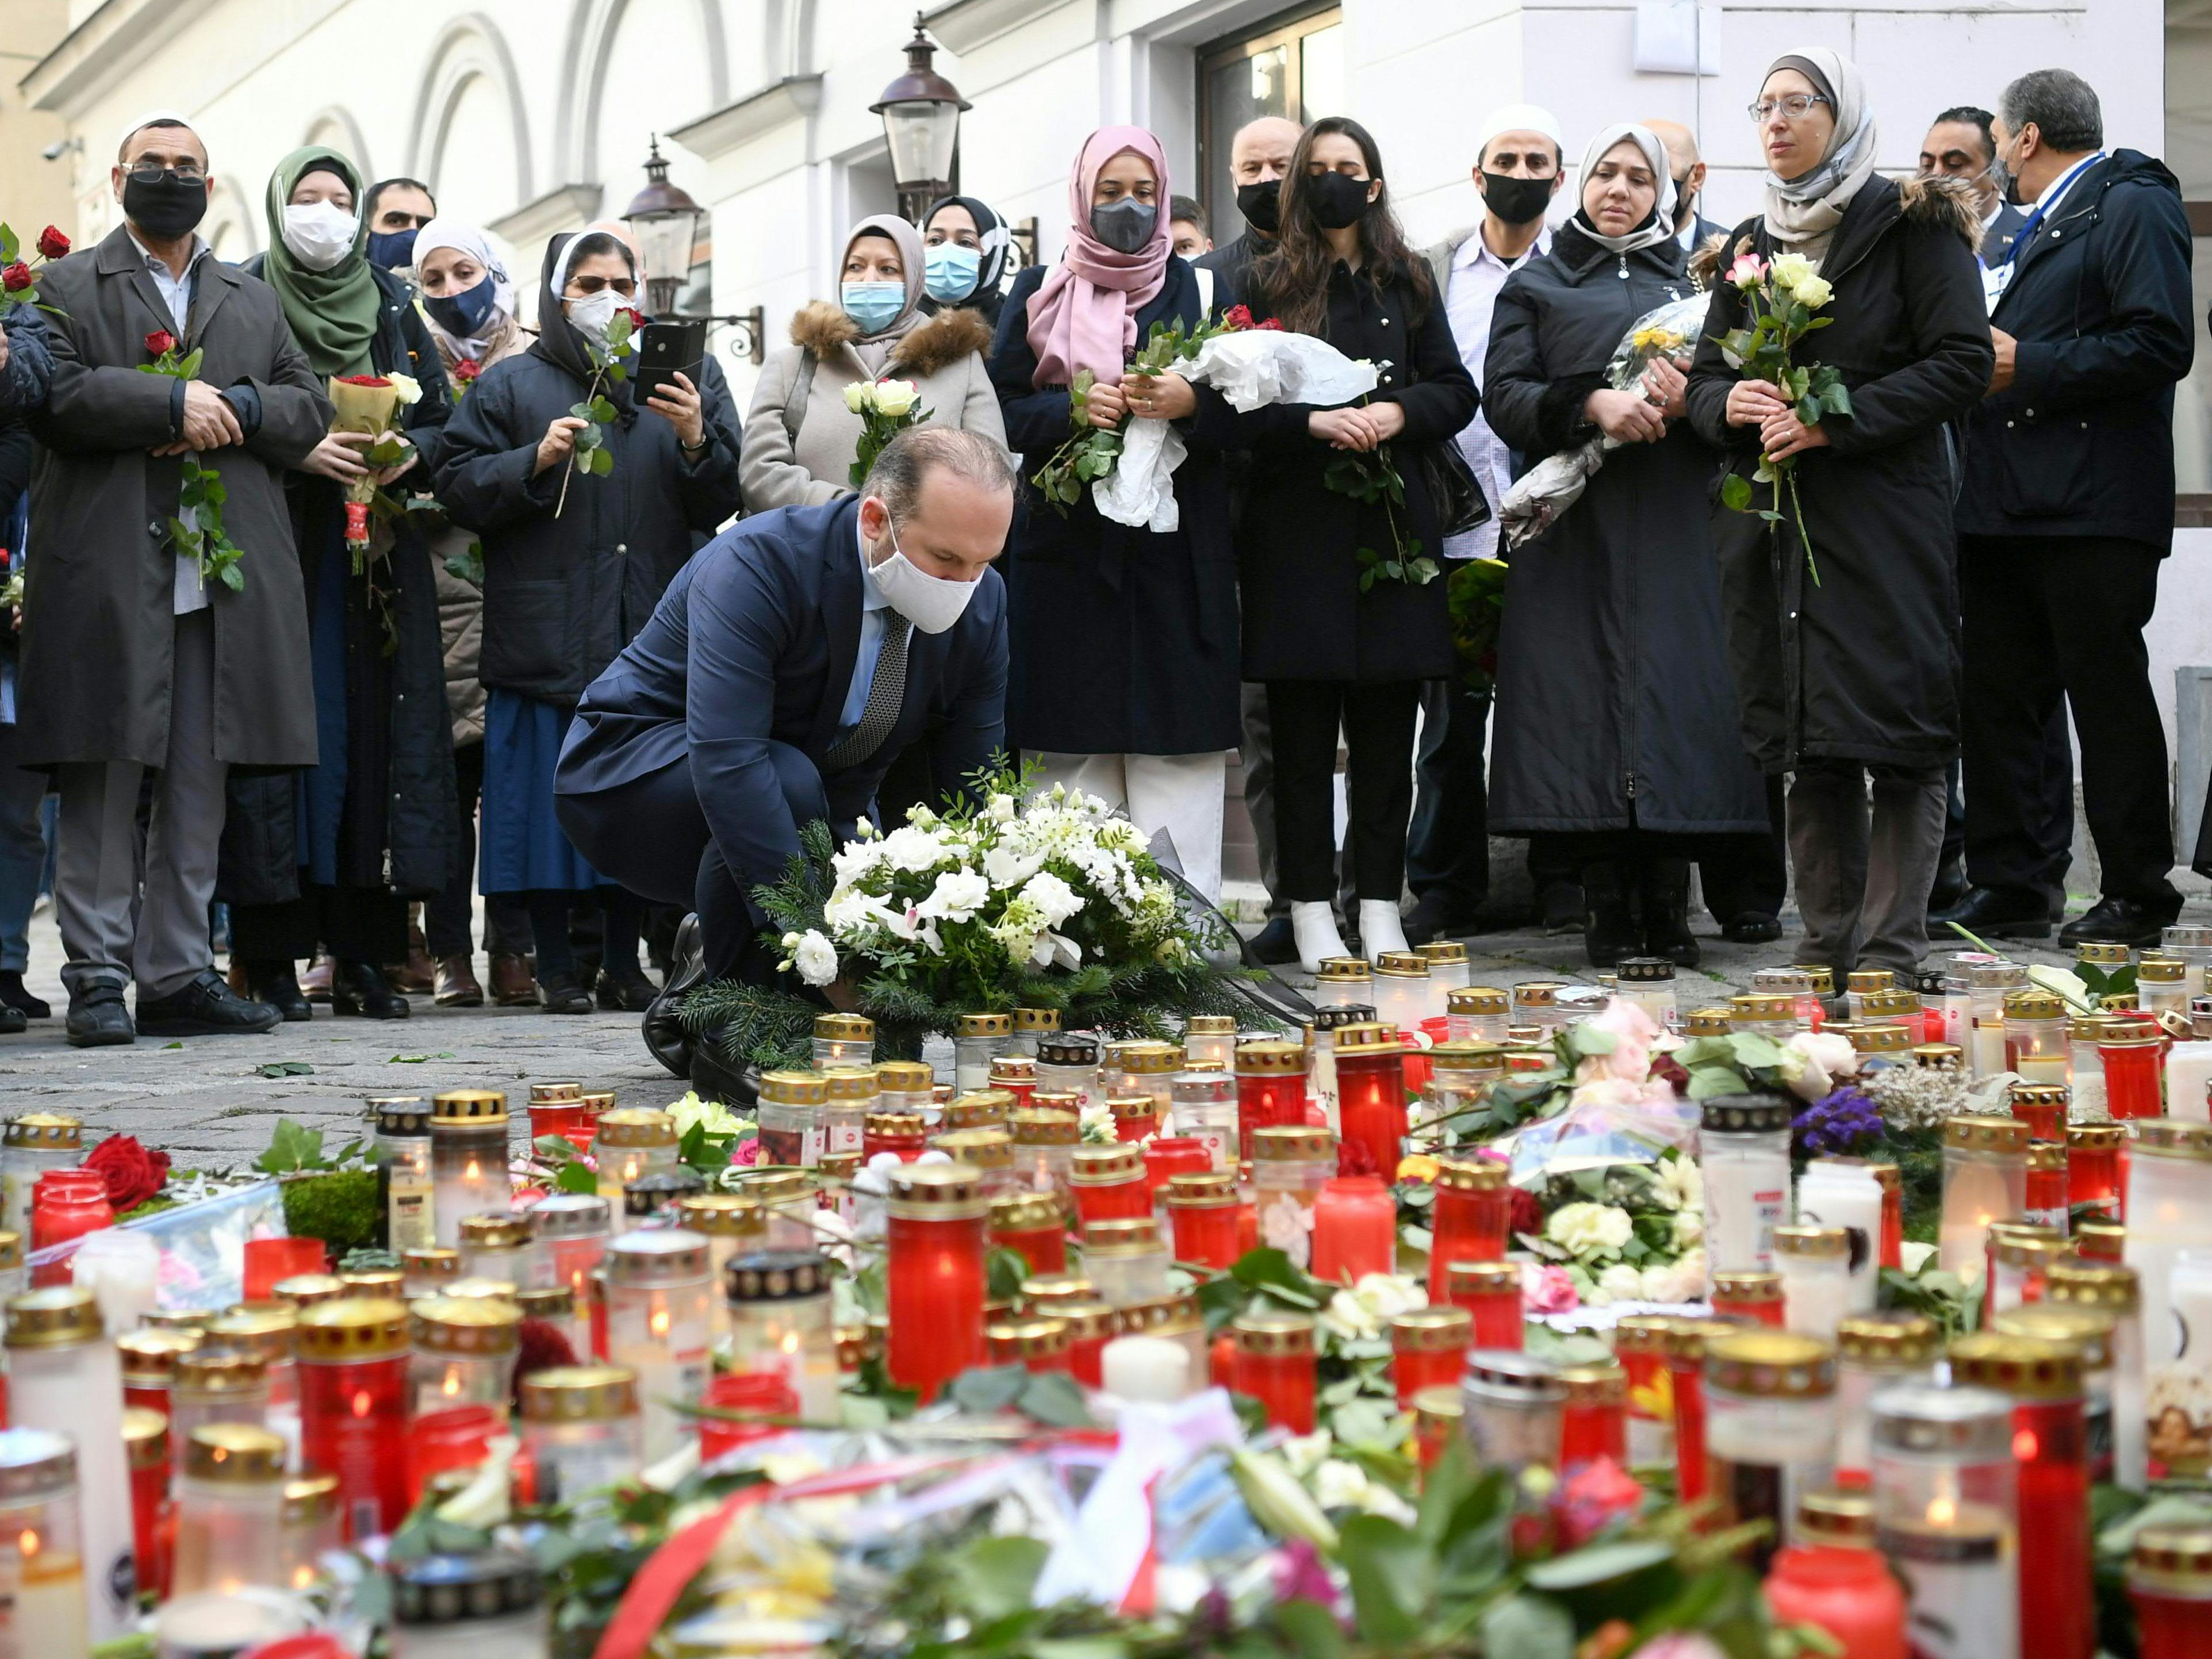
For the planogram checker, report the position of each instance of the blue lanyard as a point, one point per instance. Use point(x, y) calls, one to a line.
point(2051, 199)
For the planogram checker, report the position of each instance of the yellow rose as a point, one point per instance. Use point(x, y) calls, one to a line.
point(1790, 270)
point(856, 396)
point(1813, 293)
point(894, 397)
point(1417, 1166)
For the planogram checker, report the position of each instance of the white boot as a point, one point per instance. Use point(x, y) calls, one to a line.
point(1380, 928)
point(1313, 926)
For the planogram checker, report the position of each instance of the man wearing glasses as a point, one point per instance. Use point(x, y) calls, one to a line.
point(137, 660)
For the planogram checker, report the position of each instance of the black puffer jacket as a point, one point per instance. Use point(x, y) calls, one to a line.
point(1863, 666)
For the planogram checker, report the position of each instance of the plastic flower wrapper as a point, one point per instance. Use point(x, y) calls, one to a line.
point(1606, 1122)
point(1556, 482)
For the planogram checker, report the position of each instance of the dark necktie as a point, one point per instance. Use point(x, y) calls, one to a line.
point(886, 692)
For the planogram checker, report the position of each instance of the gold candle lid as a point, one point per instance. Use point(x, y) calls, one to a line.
point(1137, 1235)
point(1438, 1406)
point(1132, 1108)
point(779, 1189)
point(468, 1109)
point(1151, 1059)
point(1042, 1126)
point(2161, 970)
point(1286, 1141)
point(2034, 1005)
point(1867, 1039)
point(905, 1077)
point(1481, 1279)
point(1210, 1025)
point(2047, 1156)
point(1177, 1314)
point(1268, 1057)
point(1895, 1338)
point(984, 1025)
point(2173, 1560)
point(1470, 1174)
point(149, 1357)
point(1640, 1334)
point(1838, 1519)
point(445, 1324)
point(554, 1302)
point(235, 1455)
point(1443, 950)
point(2101, 953)
point(938, 1192)
point(45, 1131)
point(1052, 1289)
point(1478, 1000)
point(1977, 1133)
point(2024, 1367)
point(1273, 1331)
point(11, 1250)
point(1108, 1166)
point(785, 1088)
point(722, 1215)
point(1367, 1038)
point(1402, 965)
point(1754, 1007)
point(1027, 1213)
point(431, 1262)
point(1886, 1007)
point(2165, 1136)
point(2100, 1238)
point(640, 1126)
point(2076, 1283)
point(504, 1231)
point(1940, 1056)
point(304, 1290)
point(983, 1149)
point(1595, 1382)
point(851, 1083)
point(1487, 1059)
point(895, 1126)
point(60, 1316)
point(370, 1281)
point(219, 1370)
point(1806, 1243)
point(1014, 1342)
point(579, 1393)
point(176, 1319)
point(1747, 1284)
point(1431, 1330)
point(146, 1436)
point(1344, 969)
point(1867, 981)
point(310, 1499)
point(844, 1028)
point(2039, 1094)
point(268, 1332)
point(2091, 1330)
point(1706, 1022)
point(979, 1109)
point(353, 1329)
point(1772, 1364)
point(1687, 1340)
point(1538, 993)
point(2096, 1137)
point(1041, 1020)
point(1089, 1320)
point(555, 1094)
point(1205, 1190)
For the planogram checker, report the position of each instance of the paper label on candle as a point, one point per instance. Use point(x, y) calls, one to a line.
point(1965, 1598)
point(2177, 1397)
point(1221, 1144)
point(412, 1227)
point(843, 1136)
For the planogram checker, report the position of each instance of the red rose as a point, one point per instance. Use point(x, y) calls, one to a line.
point(1238, 317)
point(1270, 324)
point(637, 317)
point(16, 277)
point(52, 244)
point(161, 341)
point(1526, 1215)
point(363, 380)
point(132, 1173)
point(467, 369)
point(1352, 1159)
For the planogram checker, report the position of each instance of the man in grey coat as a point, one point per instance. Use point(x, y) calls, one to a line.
point(133, 660)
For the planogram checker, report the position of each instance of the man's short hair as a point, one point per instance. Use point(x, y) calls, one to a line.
point(164, 122)
point(2062, 106)
point(368, 201)
point(896, 477)
point(1968, 115)
point(1189, 210)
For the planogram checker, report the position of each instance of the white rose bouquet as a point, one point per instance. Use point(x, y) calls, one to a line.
point(886, 408)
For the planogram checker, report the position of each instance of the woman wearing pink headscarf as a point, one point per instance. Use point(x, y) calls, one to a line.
point(1123, 680)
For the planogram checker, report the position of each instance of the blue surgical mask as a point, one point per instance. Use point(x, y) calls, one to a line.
point(950, 272)
point(462, 314)
point(874, 305)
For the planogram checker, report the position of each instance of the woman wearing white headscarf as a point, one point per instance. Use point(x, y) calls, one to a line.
point(1616, 729)
point(1856, 673)
point(468, 298)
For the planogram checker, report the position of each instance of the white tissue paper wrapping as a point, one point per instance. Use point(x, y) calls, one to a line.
point(1251, 369)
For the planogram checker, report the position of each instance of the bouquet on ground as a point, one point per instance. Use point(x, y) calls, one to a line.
point(886, 408)
point(370, 404)
point(196, 527)
point(19, 277)
point(1010, 898)
point(1780, 299)
point(1553, 485)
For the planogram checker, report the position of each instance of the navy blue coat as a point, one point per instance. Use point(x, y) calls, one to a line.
point(753, 644)
point(2081, 442)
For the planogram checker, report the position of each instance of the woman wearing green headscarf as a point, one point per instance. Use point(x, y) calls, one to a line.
point(331, 855)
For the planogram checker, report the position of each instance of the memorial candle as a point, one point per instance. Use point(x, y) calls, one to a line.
point(843, 1040)
point(403, 1172)
point(42, 1577)
point(1491, 1294)
point(2134, 1055)
point(2111, 1287)
point(905, 1135)
point(230, 1510)
point(354, 1404)
point(1275, 1359)
point(1460, 1078)
point(1984, 1180)
point(1770, 1426)
point(1428, 1347)
point(1593, 1416)
point(2161, 984)
point(2188, 1079)
point(1355, 1229)
point(1205, 1109)
point(31, 1145)
point(1108, 1183)
point(1370, 1095)
point(1035, 1345)
point(1439, 1419)
point(1469, 1217)
point(153, 1525)
point(1015, 1075)
point(1169, 1156)
point(2169, 1216)
point(1033, 1224)
point(1289, 1167)
point(1343, 982)
point(1873, 1352)
point(1512, 1402)
point(1091, 1324)
point(1203, 1209)
point(464, 1352)
point(149, 1358)
point(2178, 1384)
point(656, 1325)
point(781, 1323)
point(1755, 1296)
point(1137, 1118)
point(1744, 1149)
point(2170, 1582)
point(1045, 1135)
point(1842, 1590)
point(1686, 1340)
point(1479, 1014)
point(989, 1152)
point(934, 1277)
point(1988, 984)
point(1847, 1192)
point(1639, 1343)
point(978, 1039)
point(2038, 1038)
point(572, 1230)
point(1068, 1063)
point(581, 1426)
point(1944, 1486)
point(2092, 1166)
point(1271, 1089)
point(1815, 1265)
point(468, 1158)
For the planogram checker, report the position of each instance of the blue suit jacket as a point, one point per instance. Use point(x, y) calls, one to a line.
point(752, 645)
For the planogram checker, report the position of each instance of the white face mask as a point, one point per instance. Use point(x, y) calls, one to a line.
point(933, 603)
point(319, 234)
point(594, 314)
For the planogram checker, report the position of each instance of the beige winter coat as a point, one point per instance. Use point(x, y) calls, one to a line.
point(800, 439)
point(460, 602)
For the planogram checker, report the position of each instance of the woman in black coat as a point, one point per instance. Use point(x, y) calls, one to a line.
point(1856, 673)
point(1334, 638)
point(1122, 679)
point(330, 855)
point(1616, 729)
point(575, 562)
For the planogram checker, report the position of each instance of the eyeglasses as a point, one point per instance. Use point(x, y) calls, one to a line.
point(150, 172)
point(587, 286)
point(1796, 107)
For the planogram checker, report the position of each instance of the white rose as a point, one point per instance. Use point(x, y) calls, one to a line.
point(956, 897)
point(1007, 868)
point(1584, 1229)
point(1621, 1283)
point(1678, 1281)
point(1681, 1183)
point(1350, 1318)
point(856, 396)
point(1054, 899)
point(912, 848)
point(1689, 1229)
point(1387, 1295)
point(409, 388)
point(1790, 268)
point(817, 958)
point(894, 397)
point(1813, 293)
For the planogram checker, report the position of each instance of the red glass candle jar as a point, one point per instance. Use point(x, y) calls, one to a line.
point(2092, 1165)
point(558, 1108)
point(2134, 1059)
point(353, 1356)
point(1469, 1218)
point(1136, 1117)
point(1686, 1377)
point(1370, 1095)
point(1091, 1324)
point(2050, 1451)
point(1491, 1292)
point(268, 1260)
point(1848, 1592)
point(1275, 1365)
point(2042, 1107)
point(1205, 1212)
point(763, 1394)
point(1594, 1419)
point(904, 1133)
point(1271, 1089)
point(1167, 1156)
point(1439, 1419)
point(934, 1276)
point(1016, 1074)
point(1755, 1296)
point(1639, 1343)
point(1355, 1229)
point(2046, 1183)
point(451, 1437)
point(1034, 1225)
point(1109, 1183)
point(149, 1366)
point(1036, 1344)
point(66, 1203)
point(1892, 1212)
point(146, 1435)
point(1428, 1349)
point(2170, 1582)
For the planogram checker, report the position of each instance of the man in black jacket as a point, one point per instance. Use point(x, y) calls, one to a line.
point(2067, 509)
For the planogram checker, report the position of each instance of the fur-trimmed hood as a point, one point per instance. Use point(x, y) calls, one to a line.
point(1946, 202)
point(932, 343)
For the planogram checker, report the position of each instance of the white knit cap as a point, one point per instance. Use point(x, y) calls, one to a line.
point(1519, 118)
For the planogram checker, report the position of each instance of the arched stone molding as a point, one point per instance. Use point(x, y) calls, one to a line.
point(350, 139)
point(468, 46)
point(591, 28)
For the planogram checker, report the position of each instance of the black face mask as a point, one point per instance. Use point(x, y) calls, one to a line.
point(1516, 201)
point(1262, 204)
point(1684, 196)
point(168, 207)
point(1125, 225)
point(1337, 200)
point(2006, 180)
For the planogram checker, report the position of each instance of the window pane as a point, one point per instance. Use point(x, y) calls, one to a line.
point(1321, 73)
point(1237, 92)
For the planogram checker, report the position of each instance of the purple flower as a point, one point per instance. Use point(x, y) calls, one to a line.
point(1302, 1576)
point(1845, 1123)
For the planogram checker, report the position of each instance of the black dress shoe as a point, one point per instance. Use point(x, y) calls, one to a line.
point(97, 1016)
point(1663, 889)
point(665, 1039)
point(1950, 886)
point(275, 984)
point(1560, 905)
point(1437, 915)
point(563, 994)
point(360, 989)
point(1751, 927)
point(13, 995)
point(2114, 921)
point(2000, 913)
point(206, 1007)
point(12, 1020)
point(625, 988)
point(1274, 944)
point(715, 1077)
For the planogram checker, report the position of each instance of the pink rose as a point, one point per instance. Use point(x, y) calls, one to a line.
point(1548, 1290)
point(1633, 1032)
point(746, 1152)
point(1748, 271)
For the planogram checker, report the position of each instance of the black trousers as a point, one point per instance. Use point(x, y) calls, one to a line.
point(1448, 848)
point(2050, 622)
point(1378, 720)
point(353, 924)
point(449, 916)
point(1746, 874)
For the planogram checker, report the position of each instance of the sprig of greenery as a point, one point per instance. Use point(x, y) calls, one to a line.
point(196, 528)
point(1373, 479)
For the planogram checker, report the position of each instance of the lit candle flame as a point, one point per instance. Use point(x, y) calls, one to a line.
point(27, 1543)
point(451, 1385)
point(1942, 1512)
point(2025, 1446)
point(362, 1402)
point(659, 1321)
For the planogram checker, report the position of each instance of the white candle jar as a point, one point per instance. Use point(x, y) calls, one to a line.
point(212, 1387)
point(486, 1606)
point(1536, 1002)
point(464, 1352)
point(657, 1322)
point(1860, 984)
point(781, 1323)
point(1150, 1068)
point(504, 1245)
point(905, 1085)
point(1204, 1105)
point(1460, 1077)
point(468, 1159)
point(2177, 1380)
point(977, 1040)
point(1321, 1053)
point(402, 1171)
point(1481, 1014)
point(1511, 1404)
point(733, 1224)
point(1449, 969)
point(581, 1426)
point(1291, 1163)
point(1984, 1180)
point(1873, 1352)
point(1126, 1259)
point(2191, 945)
point(1173, 1318)
point(852, 1092)
point(1044, 1138)
point(1744, 1150)
point(1210, 1040)
point(1344, 982)
point(1069, 1065)
point(1404, 991)
point(1988, 985)
point(1815, 1265)
point(230, 1511)
point(1032, 1026)
point(790, 1201)
point(573, 1230)
point(1649, 983)
point(30, 1146)
point(1756, 1014)
point(843, 1040)
point(1848, 1193)
point(2111, 1287)
point(2096, 1332)
point(1769, 1427)
point(1945, 1509)
point(2161, 984)
point(2039, 1036)
point(41, 1546)
point(1796, 984)
point(2189, 1081)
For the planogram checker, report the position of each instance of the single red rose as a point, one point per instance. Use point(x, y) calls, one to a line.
point(1672, 1069)
point(16, 277)
point(637, 317)
point(52, 244)
point(161, 341)
point(467, 369)
point(1238, 317)
point(132, 1173)
point(1271, 324)
point(363, 380)
point(1524, 1213)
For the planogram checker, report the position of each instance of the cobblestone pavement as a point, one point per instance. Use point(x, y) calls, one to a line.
point(208, 1101)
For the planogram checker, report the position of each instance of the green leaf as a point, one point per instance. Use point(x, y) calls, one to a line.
point(1309, 1630)
point(603, 411)
point(1754, 1051)
point(1392, 1576)
point(190, 368)
point(284, 1068)
point(603, 461)
point(985, 1388)
point(1271, 1273)
point(1706, 1081)
point(993, 1577)
point(1597, 1564)
point(1528, 1627)
point(1053, 1400)
point(292, 1146)
point(1736, 491)
point(573, 1177)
